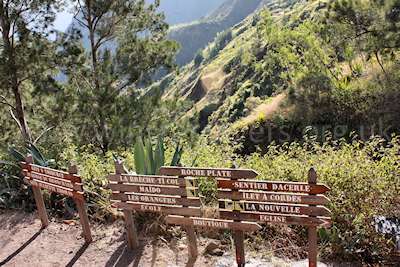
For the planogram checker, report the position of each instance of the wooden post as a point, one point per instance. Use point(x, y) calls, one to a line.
point(129, 221)
point(239, 239)
point(38, 197)
point(191, 234)
point(312, 230)
point(80, 205)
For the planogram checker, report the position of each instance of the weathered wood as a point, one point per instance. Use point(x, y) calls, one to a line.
point(275, 218)
point(276, 208)
point(273, 186)
point(80, 205)
point(133, 240)
point(48, 171)
point(207, 172)
point(177, 210)
point(148, 189)
point(239, 244)
point(213, 223)
point(38, 198)
point(149, 179)
point(312, 230)
point(159, 199)
point(55, 188)
point(53, 180)
point(273, 197)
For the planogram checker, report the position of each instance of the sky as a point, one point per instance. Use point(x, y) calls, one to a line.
point(63, 20)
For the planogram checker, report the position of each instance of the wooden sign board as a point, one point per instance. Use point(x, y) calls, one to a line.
point(50, 172)
point(55, 188)
point(275, 208)
point(169, 209)
point(53, 180)
point(207, 172)
point(150, 189)
point(213, 223)
point(152, 180)
point(273, 186)
point(273, 197)
point(275, 218)
point(157, 199)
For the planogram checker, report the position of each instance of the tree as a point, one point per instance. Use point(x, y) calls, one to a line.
point(365, 26)
point(128, 45)
point(27, 57)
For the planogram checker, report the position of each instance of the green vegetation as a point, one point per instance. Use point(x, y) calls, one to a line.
point(299, 84)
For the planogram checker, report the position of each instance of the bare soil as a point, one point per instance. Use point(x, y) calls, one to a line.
point(23, 242)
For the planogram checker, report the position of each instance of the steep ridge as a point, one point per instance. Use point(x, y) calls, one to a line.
point(198, 34)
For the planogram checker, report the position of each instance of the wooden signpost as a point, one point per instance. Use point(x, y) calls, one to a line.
point(68, 184)
point(242, 202)
point(277, 202)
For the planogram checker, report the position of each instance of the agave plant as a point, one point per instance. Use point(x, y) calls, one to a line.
point(38, 157)
point(148, 161)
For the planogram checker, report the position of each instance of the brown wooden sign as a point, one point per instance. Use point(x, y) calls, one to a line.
point(271, 207)
point(273, 197)
point(273, 186)
point(50, 172)
point(178, 210)
point(275, 218)
point(53, 180)
point(150, 189)
point(207, 172)
point(158, 199)
point(55, 188)
point(213, 223)
point(151, 180)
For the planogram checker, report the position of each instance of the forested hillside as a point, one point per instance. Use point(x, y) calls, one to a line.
point(299, 64)
point(281, 87)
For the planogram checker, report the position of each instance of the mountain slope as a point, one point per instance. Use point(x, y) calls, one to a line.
point(198, 34)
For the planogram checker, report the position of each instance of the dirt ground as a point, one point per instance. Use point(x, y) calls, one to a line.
point(23, 242)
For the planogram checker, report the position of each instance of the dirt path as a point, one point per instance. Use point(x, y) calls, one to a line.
point(24, 243)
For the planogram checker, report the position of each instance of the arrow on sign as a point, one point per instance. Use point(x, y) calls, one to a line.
point(208, 172)
point(213, 223)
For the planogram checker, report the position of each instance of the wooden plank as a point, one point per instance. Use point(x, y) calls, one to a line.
point(48, 171)
point(239, 246)
point(149, 189)
point(55, 188)
point(273, 186)
point(213, 223)
point(207, 172)
point(275, 218)
point(275, 208)
point(80, 205)
point(53, 180)
point(312, 229)
point(150, 179)
point(158, 199)
point(273, 197)
point(177, 210)
point(38, 198)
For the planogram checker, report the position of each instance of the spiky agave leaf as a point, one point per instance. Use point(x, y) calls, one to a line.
point(139, 157)
point(159, 157)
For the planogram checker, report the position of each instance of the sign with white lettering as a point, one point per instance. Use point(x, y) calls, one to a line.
point(53, 180)
point(276, 218)
point(169, 209)
point(273, 197)
point(158, 199)
point(207, 172)
point(151, 179)
point(273, 186)
point(213, 223)
point(51, 172)
point(55, 188)
point(148, 189)
point(272, 207)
